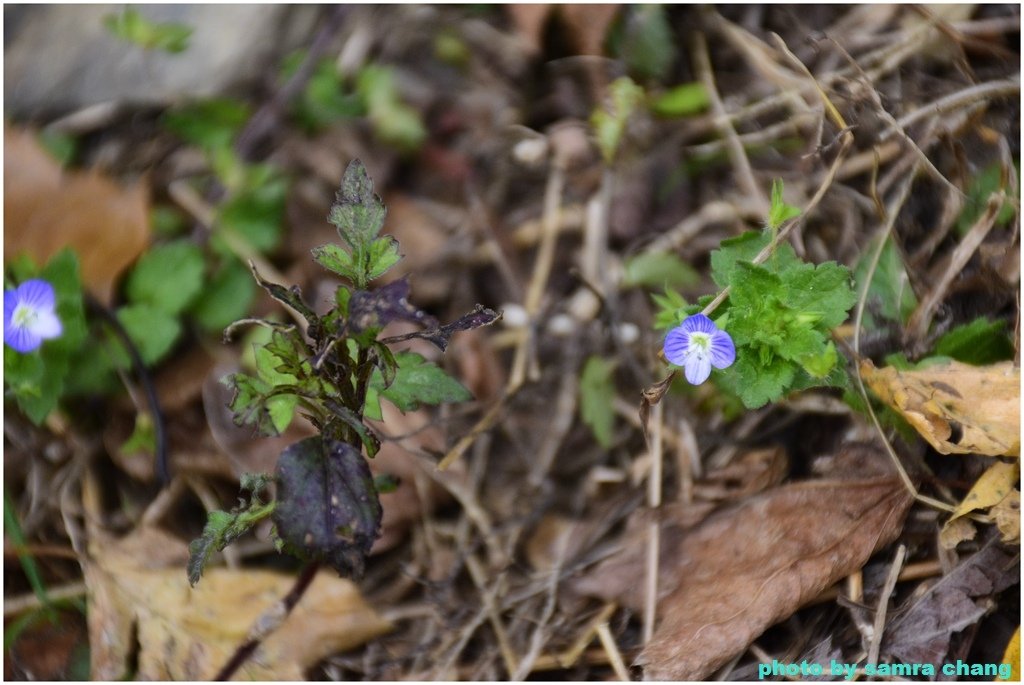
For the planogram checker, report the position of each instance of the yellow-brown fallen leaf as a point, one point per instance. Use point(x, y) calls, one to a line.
point(47, 209)
point(992, 487)
point(138, 592)
point(746, 567)
point(1007, 517)
point(957, 408)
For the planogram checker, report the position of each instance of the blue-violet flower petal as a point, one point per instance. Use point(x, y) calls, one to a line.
point(697, 345)
point(30, 316)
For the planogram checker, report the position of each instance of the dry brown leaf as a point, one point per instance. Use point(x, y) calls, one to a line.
point(921, 631)
point(1007, 517)
point(747, 567)
point(137, 587)
point(957, 408)
point(991, 488)
point(47, 209)
point(529, 20)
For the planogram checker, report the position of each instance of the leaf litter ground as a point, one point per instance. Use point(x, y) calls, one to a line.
point(783, 531)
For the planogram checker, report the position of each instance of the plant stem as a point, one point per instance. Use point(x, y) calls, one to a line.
point(260, 631)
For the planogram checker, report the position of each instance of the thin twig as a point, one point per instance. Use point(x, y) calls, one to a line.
point(614, 655)
point(892, 211)
point(270, 621)
point(883, 604)
point(654, 528)
point(738, 156)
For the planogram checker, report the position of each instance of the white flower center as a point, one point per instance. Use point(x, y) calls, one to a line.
point(24, 316)
point(700, 343)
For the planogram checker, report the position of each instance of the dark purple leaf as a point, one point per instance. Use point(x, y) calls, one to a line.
point(441, 336)
point(922, 632)
point(289, 296)
point(378, 308)
point(327, 505)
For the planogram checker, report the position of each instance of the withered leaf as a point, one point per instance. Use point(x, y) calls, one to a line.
point(995, 485)
point(377, 308)
point(138, 594)
point(47, 209)
point(440, 336)
point(747, 567)
point(957, 408)
point(921, 631)
point(291, 297)
point(327, 506)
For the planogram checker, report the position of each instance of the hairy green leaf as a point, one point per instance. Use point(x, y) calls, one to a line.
point(979, 342)
point(418, 382)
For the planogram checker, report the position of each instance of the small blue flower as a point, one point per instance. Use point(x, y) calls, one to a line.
point(29, 315)
point(697, 345)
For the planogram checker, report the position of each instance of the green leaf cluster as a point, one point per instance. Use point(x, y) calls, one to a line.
point(37, 380)
point(779, 316)
point(336, 372)
point(222, 527)
point(358, 215)
point(416, 382)
point(131, 26)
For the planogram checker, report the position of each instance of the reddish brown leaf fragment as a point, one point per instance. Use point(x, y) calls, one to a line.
point(749, 566)
point(921, 631)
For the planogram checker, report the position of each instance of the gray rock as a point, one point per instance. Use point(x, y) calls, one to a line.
point(60, 58)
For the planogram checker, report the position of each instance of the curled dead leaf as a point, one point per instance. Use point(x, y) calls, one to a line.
point(752, 564)
point(47, 209)
point(994, 486)
point(957, 408)
point(138, 591)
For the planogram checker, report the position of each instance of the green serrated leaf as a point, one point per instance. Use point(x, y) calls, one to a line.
point(980, 342)
point(418, 382)
point(167, 277)
point(822, 291)
point(336, 259)
point(357, 212)
point(758, 384)
point(597, 397)
point(383, 255)
point(222, 528)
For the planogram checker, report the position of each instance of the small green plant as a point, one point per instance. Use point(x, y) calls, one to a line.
point(778, 314)
point(336, 372)
point(44, 326)
point(131, 26)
